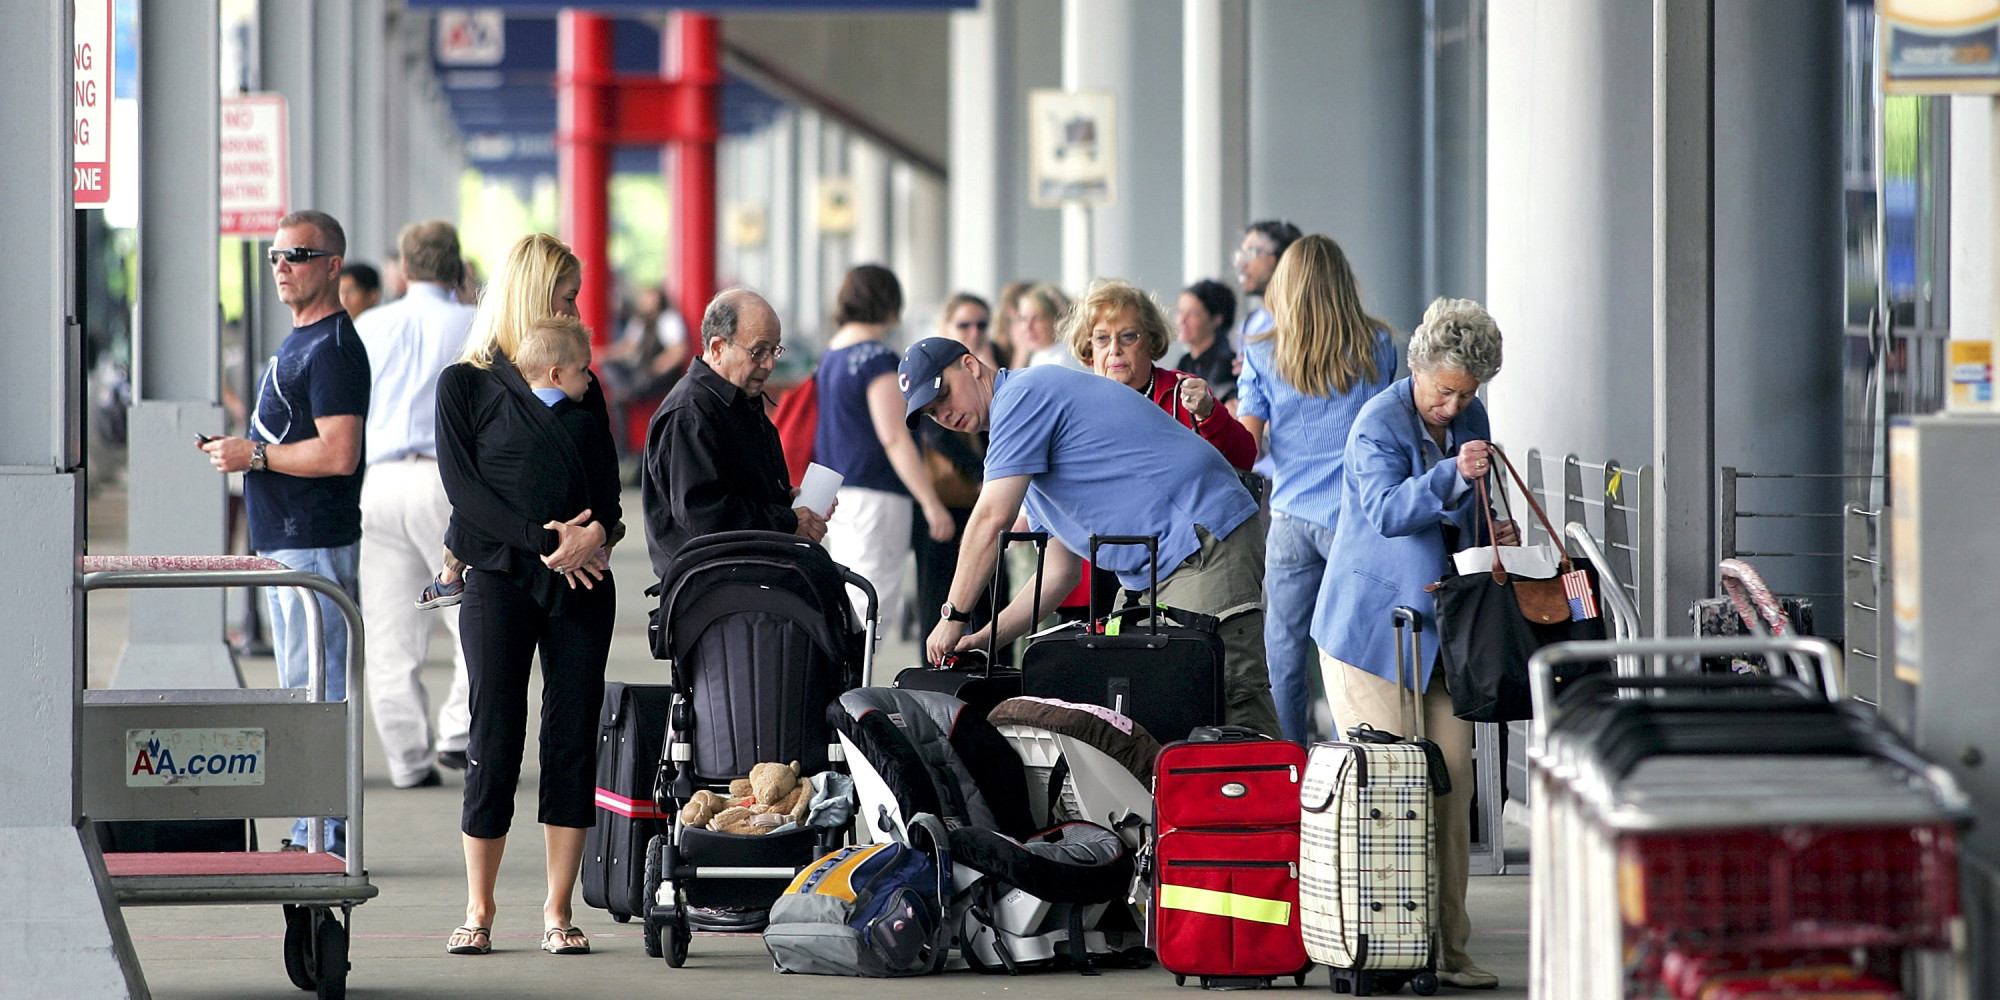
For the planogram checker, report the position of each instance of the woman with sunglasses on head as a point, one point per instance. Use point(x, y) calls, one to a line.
point(863, 436)
point(533, 516)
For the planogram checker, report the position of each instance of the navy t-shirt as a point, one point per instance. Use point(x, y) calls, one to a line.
point(845, 441)
point(320, 371)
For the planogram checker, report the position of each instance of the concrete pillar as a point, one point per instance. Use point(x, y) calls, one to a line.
point(176, 499)
point(782, 230)
point(1215, 151)
point(287, 56)
point(1684, 268)
point(868, 170)
point(61, 934)
point(1335, 136)
point(1569, 226)
point(999, 52)
point(1972, 217)
point(1132, 50)
point(1780, 306)
point(333, 111)
point(808, 303)
point(370, 228)
point(918, 245)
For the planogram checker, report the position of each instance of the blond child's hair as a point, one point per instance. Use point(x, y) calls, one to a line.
point(552, 342)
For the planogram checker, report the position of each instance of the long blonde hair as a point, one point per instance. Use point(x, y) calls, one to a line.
point(519, 294)
point(1324, 343)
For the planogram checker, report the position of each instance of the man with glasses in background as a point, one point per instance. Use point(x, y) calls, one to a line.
point(1263, 243)
point(302, 457)
point(713, 461)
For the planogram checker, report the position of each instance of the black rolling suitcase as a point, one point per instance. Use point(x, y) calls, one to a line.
point(972, 677)
point(630, 729)
point(1166, 674)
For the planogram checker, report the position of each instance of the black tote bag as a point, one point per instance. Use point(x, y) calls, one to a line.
point(1490, 623)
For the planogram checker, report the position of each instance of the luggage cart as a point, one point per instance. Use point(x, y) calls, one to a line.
point(242, 753)
point(1716, 815)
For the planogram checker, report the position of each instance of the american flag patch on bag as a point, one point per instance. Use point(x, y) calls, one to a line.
point(1582, 603)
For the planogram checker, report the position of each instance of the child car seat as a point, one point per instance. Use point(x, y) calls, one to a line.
point(1019, 892)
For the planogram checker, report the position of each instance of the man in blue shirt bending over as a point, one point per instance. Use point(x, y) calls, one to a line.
point(1086, 455)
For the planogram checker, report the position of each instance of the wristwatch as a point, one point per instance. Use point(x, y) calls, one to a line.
point(951, 614)
point(257, 463)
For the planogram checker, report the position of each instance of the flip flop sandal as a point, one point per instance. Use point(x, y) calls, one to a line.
point(469, 940)
point(557, 941)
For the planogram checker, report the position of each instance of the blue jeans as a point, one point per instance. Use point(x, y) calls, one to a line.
point(290, 636)
point(1295, 555)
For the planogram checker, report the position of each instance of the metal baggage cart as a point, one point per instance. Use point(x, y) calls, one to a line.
point(1727, 851)
point(244, 753)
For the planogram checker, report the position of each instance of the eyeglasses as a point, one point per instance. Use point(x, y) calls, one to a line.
point(972, 324)
point(1245, 255)
point(1126, 338)
point(761, 355)
point(296, 255)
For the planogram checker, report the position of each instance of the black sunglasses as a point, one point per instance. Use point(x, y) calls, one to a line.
point(296, 255)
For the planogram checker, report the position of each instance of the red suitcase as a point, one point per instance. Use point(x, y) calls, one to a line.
point(1225, 860)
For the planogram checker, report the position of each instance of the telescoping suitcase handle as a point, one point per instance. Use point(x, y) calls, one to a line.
point(1152, 639)
point(1409, 665)
point(1041, 540)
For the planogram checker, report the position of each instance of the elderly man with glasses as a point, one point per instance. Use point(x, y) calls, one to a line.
point(713, 461)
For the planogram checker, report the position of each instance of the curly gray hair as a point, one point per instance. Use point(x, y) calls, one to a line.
point(1457, 334)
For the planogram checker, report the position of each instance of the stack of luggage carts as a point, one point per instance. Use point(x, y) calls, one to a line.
point(762, 638)
point(1721, 836)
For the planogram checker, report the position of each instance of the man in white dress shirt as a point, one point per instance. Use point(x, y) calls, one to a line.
point(404, 509)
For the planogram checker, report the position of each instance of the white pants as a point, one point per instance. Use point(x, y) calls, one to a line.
point(404, 512)
point(869, 533)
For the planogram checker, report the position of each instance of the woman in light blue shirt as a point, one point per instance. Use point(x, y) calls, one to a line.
point(1301, 386)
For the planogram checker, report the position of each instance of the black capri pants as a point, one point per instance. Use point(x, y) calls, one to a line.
point(502, 627)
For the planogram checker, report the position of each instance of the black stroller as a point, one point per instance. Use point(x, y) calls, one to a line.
point(762, 640)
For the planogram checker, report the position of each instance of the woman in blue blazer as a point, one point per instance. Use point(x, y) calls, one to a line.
point(1406, 504)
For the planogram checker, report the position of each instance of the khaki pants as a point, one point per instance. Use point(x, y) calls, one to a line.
point(1358, 696)
point(1225, 578)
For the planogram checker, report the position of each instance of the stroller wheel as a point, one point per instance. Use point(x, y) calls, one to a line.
point(678, 937)
point(655, 859)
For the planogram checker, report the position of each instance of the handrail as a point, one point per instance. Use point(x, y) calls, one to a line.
point(1624, 614)
point(189, 572)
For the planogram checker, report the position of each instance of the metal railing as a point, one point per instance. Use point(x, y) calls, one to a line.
point(1767, 508)
point(1614, 504)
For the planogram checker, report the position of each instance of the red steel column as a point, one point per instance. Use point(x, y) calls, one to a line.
point(694, 58)
point(583, 159)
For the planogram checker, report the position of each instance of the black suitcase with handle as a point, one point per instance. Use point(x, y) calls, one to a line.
point(1160, 666)
point(630, 729)
point(972, 677)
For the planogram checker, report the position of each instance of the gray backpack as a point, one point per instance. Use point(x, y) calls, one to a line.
point(876, 910)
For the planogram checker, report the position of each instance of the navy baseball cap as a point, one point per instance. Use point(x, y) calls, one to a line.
point(922, 372)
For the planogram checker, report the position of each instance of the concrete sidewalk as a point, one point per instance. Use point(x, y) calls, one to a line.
point(412, 846)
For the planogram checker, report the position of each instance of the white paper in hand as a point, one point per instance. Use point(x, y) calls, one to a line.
point(816, 489)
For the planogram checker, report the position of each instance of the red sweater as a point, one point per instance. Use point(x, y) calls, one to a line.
point(1221, 429)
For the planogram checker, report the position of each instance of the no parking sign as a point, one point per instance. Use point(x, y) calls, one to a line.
point(253, 164)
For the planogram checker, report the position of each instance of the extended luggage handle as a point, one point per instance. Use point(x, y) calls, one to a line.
point(1152, 544)
point(870, 623)
point(1408, 617)
point(1542, 675)
point(1041, 540)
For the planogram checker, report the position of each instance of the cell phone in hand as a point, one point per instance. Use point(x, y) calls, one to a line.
point(202, 439)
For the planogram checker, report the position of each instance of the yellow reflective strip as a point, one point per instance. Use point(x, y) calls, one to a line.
point(1225, 904)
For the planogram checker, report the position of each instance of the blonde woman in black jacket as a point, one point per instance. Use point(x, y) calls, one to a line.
point(533, 520)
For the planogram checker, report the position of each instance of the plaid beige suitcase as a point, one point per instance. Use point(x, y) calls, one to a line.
point(1367, 886)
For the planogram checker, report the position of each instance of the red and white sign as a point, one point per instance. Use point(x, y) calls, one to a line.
point(91, 131)
point(254, 164)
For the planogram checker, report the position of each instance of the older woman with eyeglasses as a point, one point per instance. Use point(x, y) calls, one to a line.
point(1120, 332)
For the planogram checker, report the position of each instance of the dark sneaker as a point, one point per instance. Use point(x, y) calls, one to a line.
point(454, 759)
point(441, 594)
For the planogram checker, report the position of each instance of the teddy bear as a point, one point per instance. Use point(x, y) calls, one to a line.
point(770, 797)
